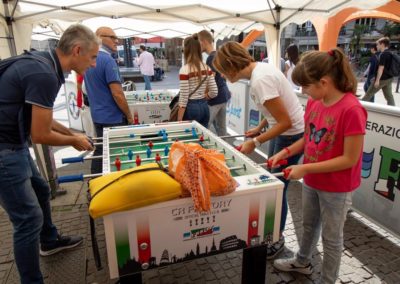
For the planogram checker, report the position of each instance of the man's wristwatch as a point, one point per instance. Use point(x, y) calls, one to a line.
point(256, 142)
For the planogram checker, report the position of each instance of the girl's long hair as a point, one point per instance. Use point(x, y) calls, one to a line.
point(314, 65)
point(192, 55)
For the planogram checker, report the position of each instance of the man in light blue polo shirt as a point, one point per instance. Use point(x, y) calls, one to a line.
point(108, 105)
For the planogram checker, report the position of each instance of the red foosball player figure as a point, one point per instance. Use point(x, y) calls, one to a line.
point(117, 164)
point(201, 139)
point(150, 144)
point(138, 160)
point(136, 119)
point(158, 158)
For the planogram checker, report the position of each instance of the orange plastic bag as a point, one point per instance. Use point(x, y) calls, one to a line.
point(201, 172)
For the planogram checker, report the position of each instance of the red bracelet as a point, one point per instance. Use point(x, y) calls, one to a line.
point(287, 150)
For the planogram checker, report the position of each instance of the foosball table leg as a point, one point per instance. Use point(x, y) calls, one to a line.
point(95, 246)
point(254, 264)
point(135, 278)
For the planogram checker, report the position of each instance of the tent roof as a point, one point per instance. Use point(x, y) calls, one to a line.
point(173, 18)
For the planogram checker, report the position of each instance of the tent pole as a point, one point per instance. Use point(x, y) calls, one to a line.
point(10, 36)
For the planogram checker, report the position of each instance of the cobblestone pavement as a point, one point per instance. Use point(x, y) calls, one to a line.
point(371, 255)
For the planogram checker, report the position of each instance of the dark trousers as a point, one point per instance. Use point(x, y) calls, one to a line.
point(97, 164)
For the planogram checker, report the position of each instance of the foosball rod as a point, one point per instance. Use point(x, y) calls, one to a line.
point(186, 130)
point(82, 177)
point(162, 158)
point(160, 143)
point(285, 172)
point(81, 159)
point(164, 138)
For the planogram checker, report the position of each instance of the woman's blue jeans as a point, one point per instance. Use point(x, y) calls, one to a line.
point(25, 196)
point(276, 145)
point(197, 110)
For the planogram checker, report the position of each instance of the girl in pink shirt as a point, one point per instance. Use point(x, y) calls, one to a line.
point(332, 146)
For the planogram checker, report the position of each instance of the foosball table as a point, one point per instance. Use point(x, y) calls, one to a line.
point(150, 106)
point(172, 231)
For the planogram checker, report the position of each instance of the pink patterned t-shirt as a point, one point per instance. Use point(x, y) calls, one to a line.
point(325, 131)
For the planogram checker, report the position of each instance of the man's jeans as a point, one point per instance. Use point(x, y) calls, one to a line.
point(386, 86)
point(327, 210)
point(276, 145)
point(97, 164)
point(25, 196)
point(218, 119)
point(147, 84)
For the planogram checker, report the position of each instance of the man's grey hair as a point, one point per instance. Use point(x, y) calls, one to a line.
point(77, 34)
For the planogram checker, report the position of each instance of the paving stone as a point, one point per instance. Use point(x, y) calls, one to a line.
point(195, 274)
point(287, 277)
point(152, 273)
point(167, 279)
point(226, 265)
point(220, 274)
point(225, 281)
point(181, 271)
point(215, 267)
point(236, 279)
point(221, 257)
point(363, 273)
point(385, 269)
point(212, 260)
point(392, 277)
point(204, 266)
point(345, 279)
point(201, 261)
point(209, 275)
point(235, 262)
point(230, 273)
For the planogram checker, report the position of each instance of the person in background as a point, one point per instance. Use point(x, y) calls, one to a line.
point(333, 147)
point(372, 69)
point(281, 63)
point(383, 79)
point(29, 89)
point(293, 57)
point(194, 79)
point(146, 63)
point(275, 98)
point(108, 105)
point(217, 105)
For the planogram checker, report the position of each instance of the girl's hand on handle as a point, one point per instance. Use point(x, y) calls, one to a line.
point(295, 172)
point(273, 161)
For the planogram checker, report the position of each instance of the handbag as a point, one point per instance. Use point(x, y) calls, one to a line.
point(174, 104)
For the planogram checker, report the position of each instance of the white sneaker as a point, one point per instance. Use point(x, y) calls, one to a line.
point(291, 264)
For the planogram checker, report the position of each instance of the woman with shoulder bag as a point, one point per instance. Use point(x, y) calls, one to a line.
point(195, 80)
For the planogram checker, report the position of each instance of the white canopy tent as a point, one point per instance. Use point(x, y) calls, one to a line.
point(20, 19)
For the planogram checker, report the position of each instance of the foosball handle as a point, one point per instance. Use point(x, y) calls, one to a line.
point(72, 160)
point(286, 173)
point(70, 178)
point(283, 162)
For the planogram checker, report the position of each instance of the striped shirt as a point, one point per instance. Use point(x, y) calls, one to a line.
point(188, 81)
